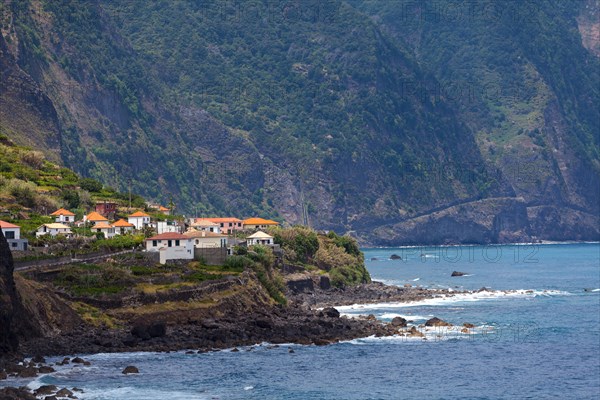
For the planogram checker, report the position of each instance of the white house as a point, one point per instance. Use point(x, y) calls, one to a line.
point(53, 230)
point(63, 216)
point(166, 226)
point(171, 246)
point(202, 224)
point(139, 219)
point(108, 230)
point(123, 227)
point(12, 233)
point(204, 239)
point(260, 238)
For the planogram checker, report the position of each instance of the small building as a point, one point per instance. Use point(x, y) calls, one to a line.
point(205, 239)
point(105, 228)
point(258, 223)
point(171, 246)
point(63, 216)
point(54, 230)
point(94, 218)
point(139, 219)
point(167, 226)
point(123, 227)
point(12, 233)
point(203, 224)
point(260, 238)
point(107, 209)
point(228, 225)
point(164, 210)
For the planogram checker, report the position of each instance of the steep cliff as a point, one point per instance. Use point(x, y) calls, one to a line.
point(346, 115)
point(10, 304)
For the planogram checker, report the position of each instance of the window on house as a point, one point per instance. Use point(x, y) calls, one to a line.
point(170, 244)
point(9, 234)
point(154, 243)
point(14, 244)
point(177, 243)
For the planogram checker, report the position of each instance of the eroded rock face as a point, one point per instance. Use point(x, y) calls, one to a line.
point(9, 302)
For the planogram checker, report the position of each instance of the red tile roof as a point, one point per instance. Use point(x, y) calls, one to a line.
point(139, 214)
point(8, 225)
point(169, 236)
point(218, 220)
point(62, 211)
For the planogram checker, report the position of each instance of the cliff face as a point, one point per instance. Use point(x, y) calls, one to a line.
point(10, 305)
point(352, 115)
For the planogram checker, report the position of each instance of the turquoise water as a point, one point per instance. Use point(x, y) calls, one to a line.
point(536, 335)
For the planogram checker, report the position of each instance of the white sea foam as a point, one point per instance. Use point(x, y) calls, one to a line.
point(407, 317)
point(138, 393)
point(248, 387)
point(443, 299)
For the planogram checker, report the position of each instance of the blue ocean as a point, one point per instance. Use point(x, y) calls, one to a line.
point(535, 335)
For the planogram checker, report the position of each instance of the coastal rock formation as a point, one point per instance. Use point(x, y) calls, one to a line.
point(10, 305)
point(131, 370)
point(458, 273)
point(435, 321)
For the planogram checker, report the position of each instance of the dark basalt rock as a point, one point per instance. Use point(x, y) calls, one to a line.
point(64, 392)
point(305, 285)
point(398, 322)
point(45, 389)
point(458, 273)
point(331, 312)
point(435, 321)
point(395, 257)
point(324, 283)
point(131, 370)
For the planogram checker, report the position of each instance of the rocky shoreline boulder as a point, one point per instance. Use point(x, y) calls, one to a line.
point(435, 321)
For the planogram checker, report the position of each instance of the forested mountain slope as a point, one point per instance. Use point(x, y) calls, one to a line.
point(337, 114)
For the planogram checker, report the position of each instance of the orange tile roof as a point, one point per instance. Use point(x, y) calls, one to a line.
point(5, 225)
point(94, 216)
point(259, 221)
point(139, 214)
point(169, 236)
point(224, 219)
point(62, 211)
point(102, 225)
point(122, 224)
point(161, 208)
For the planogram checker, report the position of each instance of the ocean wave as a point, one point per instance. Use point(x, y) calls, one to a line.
point(138, 393)
point(443, 300)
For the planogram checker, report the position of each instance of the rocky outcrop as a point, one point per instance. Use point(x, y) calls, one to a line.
point(458, 273)
point(10, 305)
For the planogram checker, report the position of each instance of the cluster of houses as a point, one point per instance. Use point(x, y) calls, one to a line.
point(173, 239)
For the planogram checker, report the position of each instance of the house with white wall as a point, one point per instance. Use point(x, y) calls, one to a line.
point(139, 219)
point(123, 227)
point(12, 233)
point(206, 240)
point(203, 224)
point(108, 230)
point(171, 246)
point(53, 230)
point(63, 216)
point(260, 238)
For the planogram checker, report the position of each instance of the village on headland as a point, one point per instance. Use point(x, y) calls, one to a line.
point(168, 236)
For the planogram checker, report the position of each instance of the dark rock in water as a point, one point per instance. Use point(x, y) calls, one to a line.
point(399, 322)
point(291, 351)
point(66, 360)
point(44, 369)
point(45, 389)
point(331, 312)
point(373, 258)
point(458, 273)
point(414, 332)
point(11, 393)
point(78, 360)
point(38, 359)
point(28, 372)
point(324, 283)
point(190, 352)
point(131, 370)
point(76, 389)
point(64, 392)
point(395, 257)
point(235, 350)
point(51, 398)
point(483, 289)
point(468, 325)
point(3, 375)
point(435, 321)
